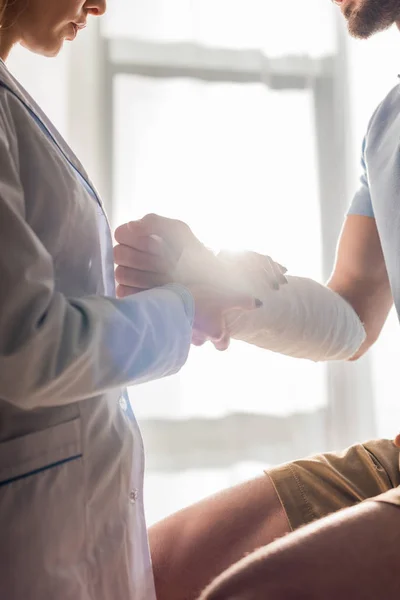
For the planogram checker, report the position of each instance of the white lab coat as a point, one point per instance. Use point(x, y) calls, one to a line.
point(71, 458)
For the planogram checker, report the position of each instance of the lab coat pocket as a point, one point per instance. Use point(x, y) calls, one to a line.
point(42, 514)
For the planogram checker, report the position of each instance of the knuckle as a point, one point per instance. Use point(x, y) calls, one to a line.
point(184, 226)
point(149, 244)
point(150, 217)
point(216, 333)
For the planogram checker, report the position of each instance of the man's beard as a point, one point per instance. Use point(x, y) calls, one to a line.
point(372, 16)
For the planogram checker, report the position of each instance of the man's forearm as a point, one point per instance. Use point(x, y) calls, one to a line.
point(304, 319)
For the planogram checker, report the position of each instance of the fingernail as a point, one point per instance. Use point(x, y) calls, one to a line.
point(258, 303)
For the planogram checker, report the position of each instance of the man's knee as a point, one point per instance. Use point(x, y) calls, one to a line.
point(351, 554)
point(261, 576)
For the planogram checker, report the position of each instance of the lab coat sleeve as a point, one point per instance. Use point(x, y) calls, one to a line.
point(56, 350)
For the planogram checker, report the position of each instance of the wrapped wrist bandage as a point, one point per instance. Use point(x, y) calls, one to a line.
point(303, 319)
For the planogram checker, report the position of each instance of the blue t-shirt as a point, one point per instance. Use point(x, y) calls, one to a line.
point(379, 193)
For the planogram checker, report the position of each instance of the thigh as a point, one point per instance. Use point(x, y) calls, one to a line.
point(193, 546)
point(351, 554)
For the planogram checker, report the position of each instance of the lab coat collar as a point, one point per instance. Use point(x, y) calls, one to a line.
point(8, 81)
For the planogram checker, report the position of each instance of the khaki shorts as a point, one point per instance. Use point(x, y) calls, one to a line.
point(314, 487)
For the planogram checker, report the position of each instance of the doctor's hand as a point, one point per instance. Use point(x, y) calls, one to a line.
point(148, 252)
point(258, 269)
point(211, 306)
point(157, 250)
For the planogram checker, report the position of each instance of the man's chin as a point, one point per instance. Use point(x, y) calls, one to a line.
point(364, 33)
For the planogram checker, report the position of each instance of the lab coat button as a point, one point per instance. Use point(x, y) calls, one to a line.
point(133, 496)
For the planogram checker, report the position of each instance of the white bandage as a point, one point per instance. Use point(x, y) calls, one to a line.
point(303, 319)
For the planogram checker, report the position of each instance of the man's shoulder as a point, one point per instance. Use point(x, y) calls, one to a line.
point(381, 147)
point(386, 111)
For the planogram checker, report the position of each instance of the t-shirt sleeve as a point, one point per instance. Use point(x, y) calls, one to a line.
point(361, 203)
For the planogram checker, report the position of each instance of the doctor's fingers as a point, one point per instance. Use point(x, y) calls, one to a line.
point(275, 271)
point(134, 235)
point(123, 291)
point(258, 267)
point(126, 256)
point(143, 280)
point(213, 330)
point(221, 344)
point(270, 270)
point(199, 339)
point(177, 233)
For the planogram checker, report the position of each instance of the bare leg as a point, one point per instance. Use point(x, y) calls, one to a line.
point(193, 546)
point(353, 554)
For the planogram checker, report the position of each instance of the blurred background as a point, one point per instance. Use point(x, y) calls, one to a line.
point(244, 118)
